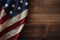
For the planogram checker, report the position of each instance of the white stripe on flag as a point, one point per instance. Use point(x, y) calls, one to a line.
point(12, 33)
point(14, 19)
point(2, 13)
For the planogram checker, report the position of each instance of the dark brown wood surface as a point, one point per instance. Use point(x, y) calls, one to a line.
point(43, 22)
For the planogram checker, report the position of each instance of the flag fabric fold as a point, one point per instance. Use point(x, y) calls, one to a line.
point(13, 14)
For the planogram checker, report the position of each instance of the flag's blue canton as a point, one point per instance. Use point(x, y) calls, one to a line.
point(14, 7)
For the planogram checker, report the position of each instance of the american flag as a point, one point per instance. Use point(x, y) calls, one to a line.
point(13, 14)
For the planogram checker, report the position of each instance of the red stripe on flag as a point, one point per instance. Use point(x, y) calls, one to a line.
point(3, 19)
point(14, 37)
point(12, 27)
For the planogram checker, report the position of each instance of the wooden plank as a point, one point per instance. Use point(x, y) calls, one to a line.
point(43, 22)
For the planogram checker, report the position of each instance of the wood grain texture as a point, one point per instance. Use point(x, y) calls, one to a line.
point(43, 22)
